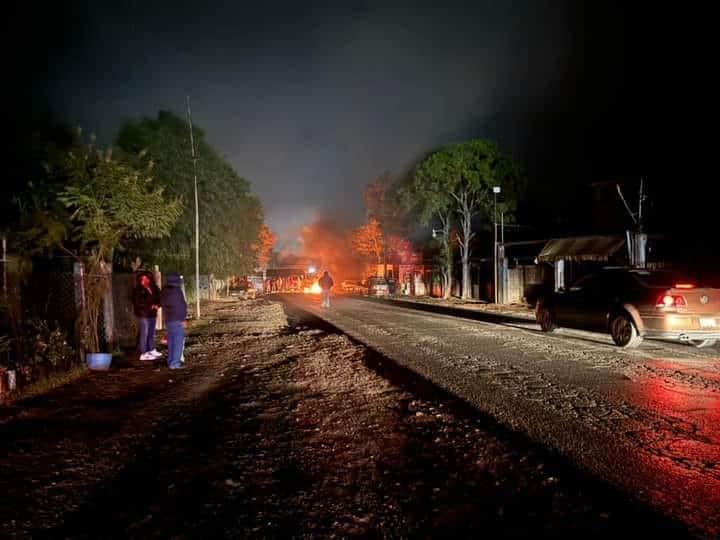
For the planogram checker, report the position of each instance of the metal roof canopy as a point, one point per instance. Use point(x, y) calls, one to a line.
point(581, 248)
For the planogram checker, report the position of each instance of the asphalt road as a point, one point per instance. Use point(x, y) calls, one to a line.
point(646, 420)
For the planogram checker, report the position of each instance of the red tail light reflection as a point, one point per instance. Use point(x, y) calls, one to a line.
point(670, 301)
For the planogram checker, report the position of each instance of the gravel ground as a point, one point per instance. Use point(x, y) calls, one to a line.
point(644, 420)
point(284, 428)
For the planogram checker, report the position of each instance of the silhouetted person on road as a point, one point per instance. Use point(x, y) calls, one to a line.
point(326, 284)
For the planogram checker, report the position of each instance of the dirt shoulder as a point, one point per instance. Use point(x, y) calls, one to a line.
point(280, 429)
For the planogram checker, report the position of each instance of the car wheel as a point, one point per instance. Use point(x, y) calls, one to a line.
point(545, 318)
point(702, 343)
point(624, 333)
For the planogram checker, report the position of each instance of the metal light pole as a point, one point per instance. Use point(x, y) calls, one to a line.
point(5, 281)
point(4, 262)
point(496, 190)
point(197, 215)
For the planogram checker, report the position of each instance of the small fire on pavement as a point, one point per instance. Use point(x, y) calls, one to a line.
point(313, 289)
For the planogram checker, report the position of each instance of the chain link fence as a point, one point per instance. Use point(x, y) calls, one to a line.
point(37, 319)
point(39, 307)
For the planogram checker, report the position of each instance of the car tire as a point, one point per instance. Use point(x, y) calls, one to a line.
point(624, 332)
point(703, 343)
point(545, 317)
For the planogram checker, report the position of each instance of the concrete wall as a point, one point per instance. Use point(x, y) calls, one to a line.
point(520, 278)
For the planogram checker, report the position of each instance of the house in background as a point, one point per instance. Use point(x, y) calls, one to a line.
point(577, 256)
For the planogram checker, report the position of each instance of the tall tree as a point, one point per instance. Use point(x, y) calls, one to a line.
point(382, 205)
point(30, 188)
point(367, 241)
point(108, 204)
point(469, 171)
point(230, 215)
point(427, 194)
point(263, 246)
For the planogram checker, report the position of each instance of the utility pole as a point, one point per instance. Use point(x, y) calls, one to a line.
point(637, 242)
point(5, 282)
point(496, 190)
point(197, 214)
point(4, 261)
point(503, 261)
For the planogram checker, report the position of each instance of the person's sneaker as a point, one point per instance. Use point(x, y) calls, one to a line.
point(147, 356)
point(155, 353)
point(178, 367)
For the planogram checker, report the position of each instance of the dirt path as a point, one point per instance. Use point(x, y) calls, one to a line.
point(280, 430)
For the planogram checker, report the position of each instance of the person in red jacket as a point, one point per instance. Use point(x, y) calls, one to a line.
point(146, 300)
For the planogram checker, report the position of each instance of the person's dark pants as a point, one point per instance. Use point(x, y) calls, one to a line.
point(146, 334)
point(176, 343)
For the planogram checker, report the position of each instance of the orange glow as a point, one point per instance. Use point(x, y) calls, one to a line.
point(684, 286)
point(313, 289)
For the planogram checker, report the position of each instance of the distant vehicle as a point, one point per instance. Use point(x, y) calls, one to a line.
point(352, 286)
point(256, 282)
point(378, 286)
point(247, 286)
point(634, 304)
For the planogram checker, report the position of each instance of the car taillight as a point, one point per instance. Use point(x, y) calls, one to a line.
point(670, 301)
point(684, 286)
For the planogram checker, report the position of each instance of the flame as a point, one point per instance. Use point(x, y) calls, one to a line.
point(313, 289)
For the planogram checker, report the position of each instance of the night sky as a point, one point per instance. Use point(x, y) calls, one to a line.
point(309, 101)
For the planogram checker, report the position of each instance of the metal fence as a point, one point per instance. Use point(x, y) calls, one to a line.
point(37, 319)
point(39, 307)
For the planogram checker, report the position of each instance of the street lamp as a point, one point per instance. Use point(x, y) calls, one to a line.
point(496, 190)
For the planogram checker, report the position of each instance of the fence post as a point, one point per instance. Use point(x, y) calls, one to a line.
point(79, 294)
point(158, 280)
point(79, 282)
point(108, 307)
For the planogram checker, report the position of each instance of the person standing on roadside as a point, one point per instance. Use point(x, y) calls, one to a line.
point(326, 283)
point(146, 300)
point(174, 306)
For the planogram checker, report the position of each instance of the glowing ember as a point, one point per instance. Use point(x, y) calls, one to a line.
point(314, 289)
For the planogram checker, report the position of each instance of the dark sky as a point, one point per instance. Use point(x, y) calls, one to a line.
point(311, 100)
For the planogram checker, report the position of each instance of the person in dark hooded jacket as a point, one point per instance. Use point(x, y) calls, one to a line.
point(146, 300)
point(326, 283)
point(174, 306)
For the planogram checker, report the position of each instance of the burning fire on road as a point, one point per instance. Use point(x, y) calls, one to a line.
point(313, 289)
